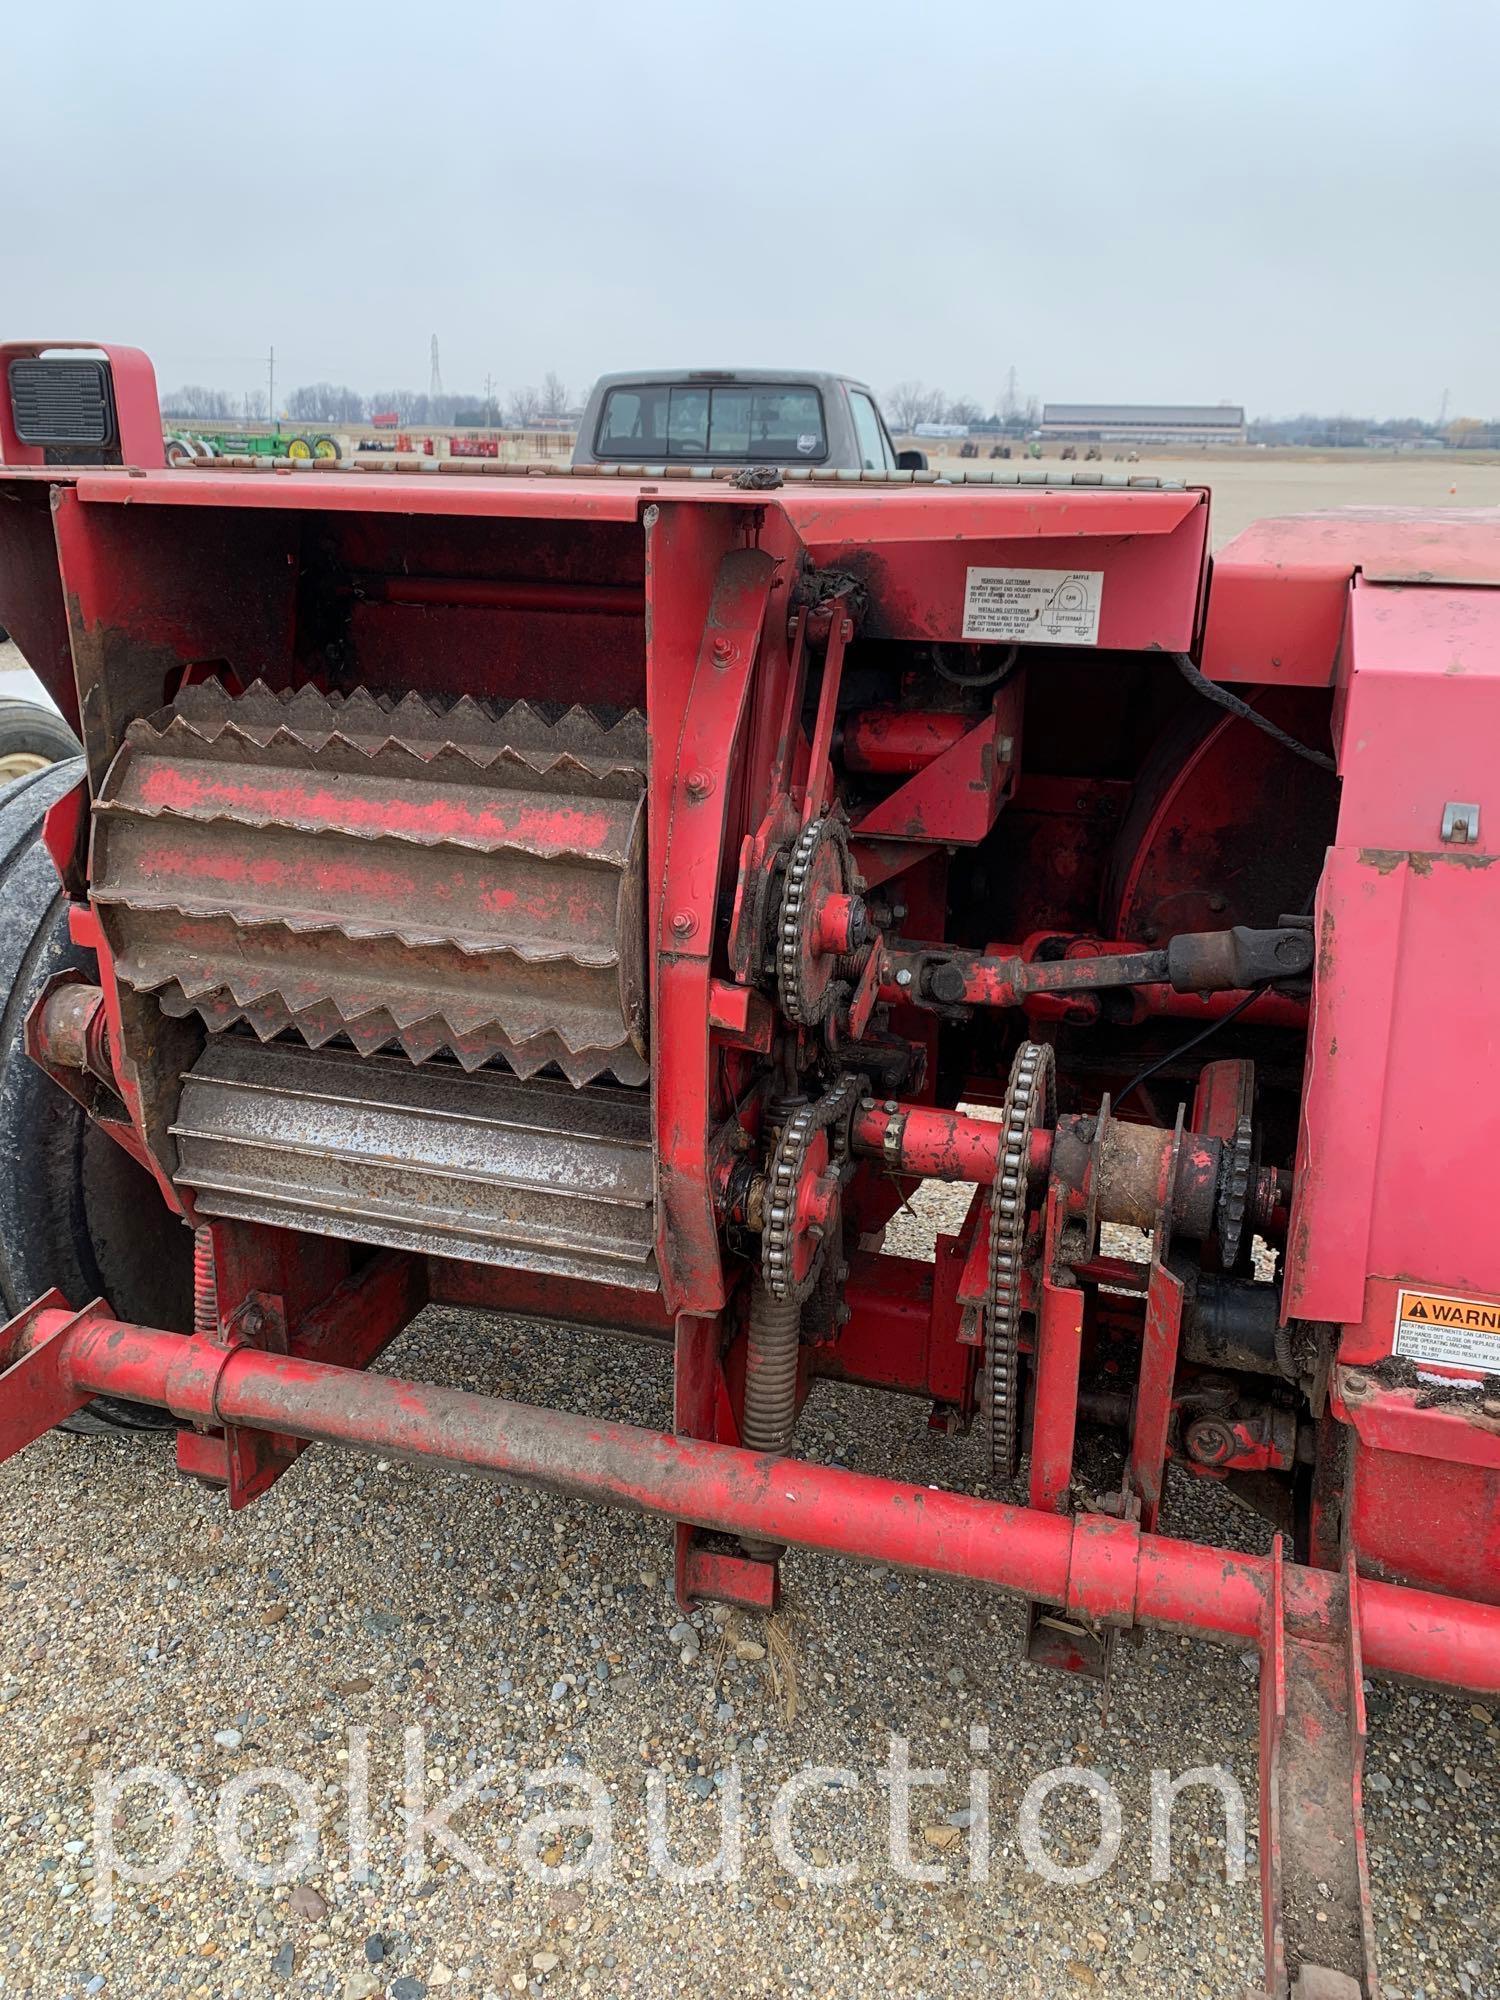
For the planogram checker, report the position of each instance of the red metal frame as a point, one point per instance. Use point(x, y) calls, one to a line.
point(1049, 811)
point(1098, 1569)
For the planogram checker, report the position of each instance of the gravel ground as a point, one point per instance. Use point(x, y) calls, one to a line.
point(145, 1626)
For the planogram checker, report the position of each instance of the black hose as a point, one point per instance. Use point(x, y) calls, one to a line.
point(1192, 1042)
point(1004, 669)
point(1211, 691)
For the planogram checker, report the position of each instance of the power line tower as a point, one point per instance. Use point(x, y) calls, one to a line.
point(435, 386)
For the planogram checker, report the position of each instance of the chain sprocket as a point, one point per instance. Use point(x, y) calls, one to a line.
point(806, 981)
point(1030, 1098)
point(1235, 1176)
point(788, 1276)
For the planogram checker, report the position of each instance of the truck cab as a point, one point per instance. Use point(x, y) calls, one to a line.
point(745, 416)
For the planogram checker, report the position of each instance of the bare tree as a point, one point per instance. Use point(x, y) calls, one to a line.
point(196, 401)
point(909, 404)
point(963, 410)
point(325, 403)
point(525, 406)
point(906, 404)
point(554, 395)
point(254, 406)
point(409, 405)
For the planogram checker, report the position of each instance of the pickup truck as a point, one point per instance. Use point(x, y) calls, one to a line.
point(738, 416)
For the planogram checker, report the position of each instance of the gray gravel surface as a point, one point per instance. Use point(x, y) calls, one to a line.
point(144, 1625)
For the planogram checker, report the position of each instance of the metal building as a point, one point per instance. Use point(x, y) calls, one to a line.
point(1146, 423)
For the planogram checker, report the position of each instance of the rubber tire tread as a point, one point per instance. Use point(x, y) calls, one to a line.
point(28, 727)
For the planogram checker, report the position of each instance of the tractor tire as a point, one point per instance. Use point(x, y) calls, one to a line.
point(299, 448)
point(327, 447)
point(76, 1212)
point(31, 738)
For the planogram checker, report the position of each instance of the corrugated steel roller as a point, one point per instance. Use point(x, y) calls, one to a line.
point(464, 877)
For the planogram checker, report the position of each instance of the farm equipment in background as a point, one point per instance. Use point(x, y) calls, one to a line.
point(184, 446)
point(606, 897)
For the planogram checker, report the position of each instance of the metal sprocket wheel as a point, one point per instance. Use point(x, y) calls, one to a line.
point(1234, 1192)
point(813, 1144)
point(1030, 1100)
point(807, 982)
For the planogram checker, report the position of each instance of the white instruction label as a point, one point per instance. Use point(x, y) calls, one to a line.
point(1037, 607)
point(1459, 1333)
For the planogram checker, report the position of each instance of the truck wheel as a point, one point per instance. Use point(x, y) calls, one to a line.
point(31, 738)
point(75, 1210)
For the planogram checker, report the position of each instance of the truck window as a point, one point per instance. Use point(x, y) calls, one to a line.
point(869, 432)
point(768, 422)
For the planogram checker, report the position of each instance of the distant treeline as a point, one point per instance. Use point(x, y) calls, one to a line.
point(336, 403)
point(1457, 433)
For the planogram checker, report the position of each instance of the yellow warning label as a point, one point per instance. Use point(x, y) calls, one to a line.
point(1462, 1333)
point(1437, 1311)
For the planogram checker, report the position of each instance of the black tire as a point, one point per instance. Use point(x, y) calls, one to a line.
point(29, 732)
point(76, 1212)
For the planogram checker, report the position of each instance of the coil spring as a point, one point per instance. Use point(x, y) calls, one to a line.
point(205, 1284)
point(771, 1343)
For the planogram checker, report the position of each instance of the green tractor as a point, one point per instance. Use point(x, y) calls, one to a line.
point(183, 447)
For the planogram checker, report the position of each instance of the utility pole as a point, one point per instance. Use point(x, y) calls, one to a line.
point(1443, 411)
point(488, 400)
point(435, 385)
point(271, 388)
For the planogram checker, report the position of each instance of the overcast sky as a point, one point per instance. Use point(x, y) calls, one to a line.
point(1290, 206)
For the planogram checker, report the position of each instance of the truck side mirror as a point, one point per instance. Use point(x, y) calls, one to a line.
point(911, 461)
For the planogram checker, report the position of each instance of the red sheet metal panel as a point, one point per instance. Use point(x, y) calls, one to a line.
point(1418, 715)
point(915, 545)
point(1400, 1130)
point(1278, 595)
point(915, 548)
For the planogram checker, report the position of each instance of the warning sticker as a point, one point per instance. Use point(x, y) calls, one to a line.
point(1037, 607)
point(1459, 1333)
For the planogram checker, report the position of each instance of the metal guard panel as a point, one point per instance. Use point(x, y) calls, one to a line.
point(1396, 1160)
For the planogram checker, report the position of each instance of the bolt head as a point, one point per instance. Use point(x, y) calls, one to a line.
point(699, 784)
point(903, 977)
point(684, 924)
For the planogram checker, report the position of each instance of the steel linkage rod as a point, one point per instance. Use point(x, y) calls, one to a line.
point(1096, 1568)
